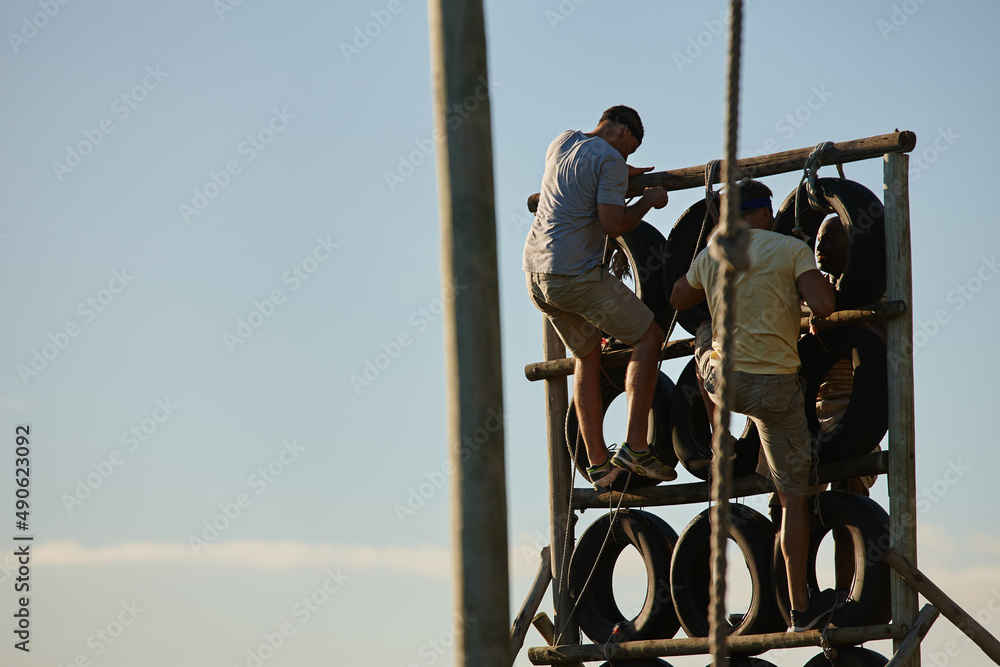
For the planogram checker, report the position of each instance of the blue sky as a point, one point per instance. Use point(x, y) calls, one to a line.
point(219, 213)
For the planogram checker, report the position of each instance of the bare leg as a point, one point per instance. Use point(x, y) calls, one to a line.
point(795, 547)
point(640, 384)
point(589, 409)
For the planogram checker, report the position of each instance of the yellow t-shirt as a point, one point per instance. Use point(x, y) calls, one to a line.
point(767, 302)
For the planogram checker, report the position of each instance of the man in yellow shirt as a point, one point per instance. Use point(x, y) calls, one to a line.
point(765, 381)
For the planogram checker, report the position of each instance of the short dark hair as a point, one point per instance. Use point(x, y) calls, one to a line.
point(753, 194)
point(626, 116)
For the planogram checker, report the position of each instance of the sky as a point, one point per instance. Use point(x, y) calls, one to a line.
point(219, 242)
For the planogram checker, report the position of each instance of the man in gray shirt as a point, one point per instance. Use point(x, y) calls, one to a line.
point(582, 201)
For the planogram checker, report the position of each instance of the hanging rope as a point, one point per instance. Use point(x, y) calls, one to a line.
point(730, 251)
point(809, 175)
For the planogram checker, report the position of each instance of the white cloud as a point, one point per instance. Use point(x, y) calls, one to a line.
point(429, 560)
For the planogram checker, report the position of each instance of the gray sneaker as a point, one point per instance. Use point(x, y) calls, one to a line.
point(643, 463)
point(603, 475)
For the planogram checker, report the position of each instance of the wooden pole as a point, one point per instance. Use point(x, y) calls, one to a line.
point(560, 484)
point(650, 648)
point(962, 620)
point(911, 645)
point(899, 340)
point(841, 152)
point(523, 619)
point(471, 331)
point(548, 632)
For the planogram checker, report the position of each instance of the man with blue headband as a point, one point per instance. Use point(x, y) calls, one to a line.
point(765, 382)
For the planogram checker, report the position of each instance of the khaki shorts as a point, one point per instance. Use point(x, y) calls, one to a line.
point(775, 404)
point(582, 307)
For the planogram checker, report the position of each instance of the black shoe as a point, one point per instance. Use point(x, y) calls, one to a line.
point(821, 605)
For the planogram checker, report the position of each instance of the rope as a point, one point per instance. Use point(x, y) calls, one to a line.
point(809, 175)
point(730, 250)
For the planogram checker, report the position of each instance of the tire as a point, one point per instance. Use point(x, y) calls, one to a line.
point(692, 434)
point(643, 248)
point(866, 419)
point(598, 612)
point(612, 386)
point(690, 573)
point(638, 662)
point(744, 661)
point(868, 525)
point(850, 656)
point(863, 280)
point(681, 248)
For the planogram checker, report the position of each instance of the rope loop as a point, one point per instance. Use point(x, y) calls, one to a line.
point(809, 175)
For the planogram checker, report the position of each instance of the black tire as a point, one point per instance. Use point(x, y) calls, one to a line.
point(612, 386)
point(746, 661)
point(851, 656)
point(638, 662)
point(643, 248)
point(598, 612)
point(866, 419)
point(868, 525)
point(690, 573)
point(681, 248)
point(863, 280)
point(692, 433)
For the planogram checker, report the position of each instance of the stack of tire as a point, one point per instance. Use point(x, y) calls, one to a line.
point(677, 567)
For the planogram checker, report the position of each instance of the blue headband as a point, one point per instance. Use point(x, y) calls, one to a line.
point(760, 202)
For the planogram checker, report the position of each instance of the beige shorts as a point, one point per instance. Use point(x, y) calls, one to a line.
point(583, 308)
point(775, 404)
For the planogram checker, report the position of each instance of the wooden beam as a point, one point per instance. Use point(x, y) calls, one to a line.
point(471, 324)
point(876, 463)
point(523, 619)
point(899, 343)
point(772, 163)
point(560, 483)
point(925, 619)
point(561, 367)
point(650, 648)
point(962, 619)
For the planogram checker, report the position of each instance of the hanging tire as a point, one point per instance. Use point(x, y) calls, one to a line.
point(745, 661)
point(868, 525)
point(612, 386)
point(681, 248)
point(863, 280)
point(690, 573)
point(598, 612)
point(850, 656)
point(638, 662)
point(865, 421)
point(692, 433)
point(643, 249)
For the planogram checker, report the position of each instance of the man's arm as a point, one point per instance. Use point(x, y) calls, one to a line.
point(684, 296)
point(817, 291)
point(616, 219)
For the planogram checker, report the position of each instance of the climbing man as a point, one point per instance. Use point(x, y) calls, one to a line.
point(765, 384)
point(582, 201)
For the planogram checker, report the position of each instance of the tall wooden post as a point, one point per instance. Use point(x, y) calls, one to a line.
point(902, 432)
point(471, 332)
point(560, 481)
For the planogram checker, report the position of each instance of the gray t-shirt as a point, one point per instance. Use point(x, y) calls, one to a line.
point(566, 237)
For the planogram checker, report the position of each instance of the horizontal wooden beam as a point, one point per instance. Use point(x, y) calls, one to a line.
point(650, 648)
point(961, 618)
point(876, 463)
point(547, 630)
point(544, 370)
point(772, 163)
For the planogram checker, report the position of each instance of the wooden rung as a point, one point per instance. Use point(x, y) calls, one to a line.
point(544, 370)
point(547, 630)
point(564, 655)
point(876, 463)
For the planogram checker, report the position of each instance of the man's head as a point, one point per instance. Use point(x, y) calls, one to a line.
point(755, 204)
point(832, 246)
point(621, 127)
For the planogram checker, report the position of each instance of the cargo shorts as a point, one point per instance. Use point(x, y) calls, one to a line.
point(582, 308)
point(776, 405)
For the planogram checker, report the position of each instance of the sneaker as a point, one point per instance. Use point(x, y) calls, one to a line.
point(843, 597)
point(821, 605)
point(603, 475)
point(643, 463)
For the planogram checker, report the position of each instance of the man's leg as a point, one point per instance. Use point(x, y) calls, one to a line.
point(640, 384)
point(794, 536)
point(589, 407)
